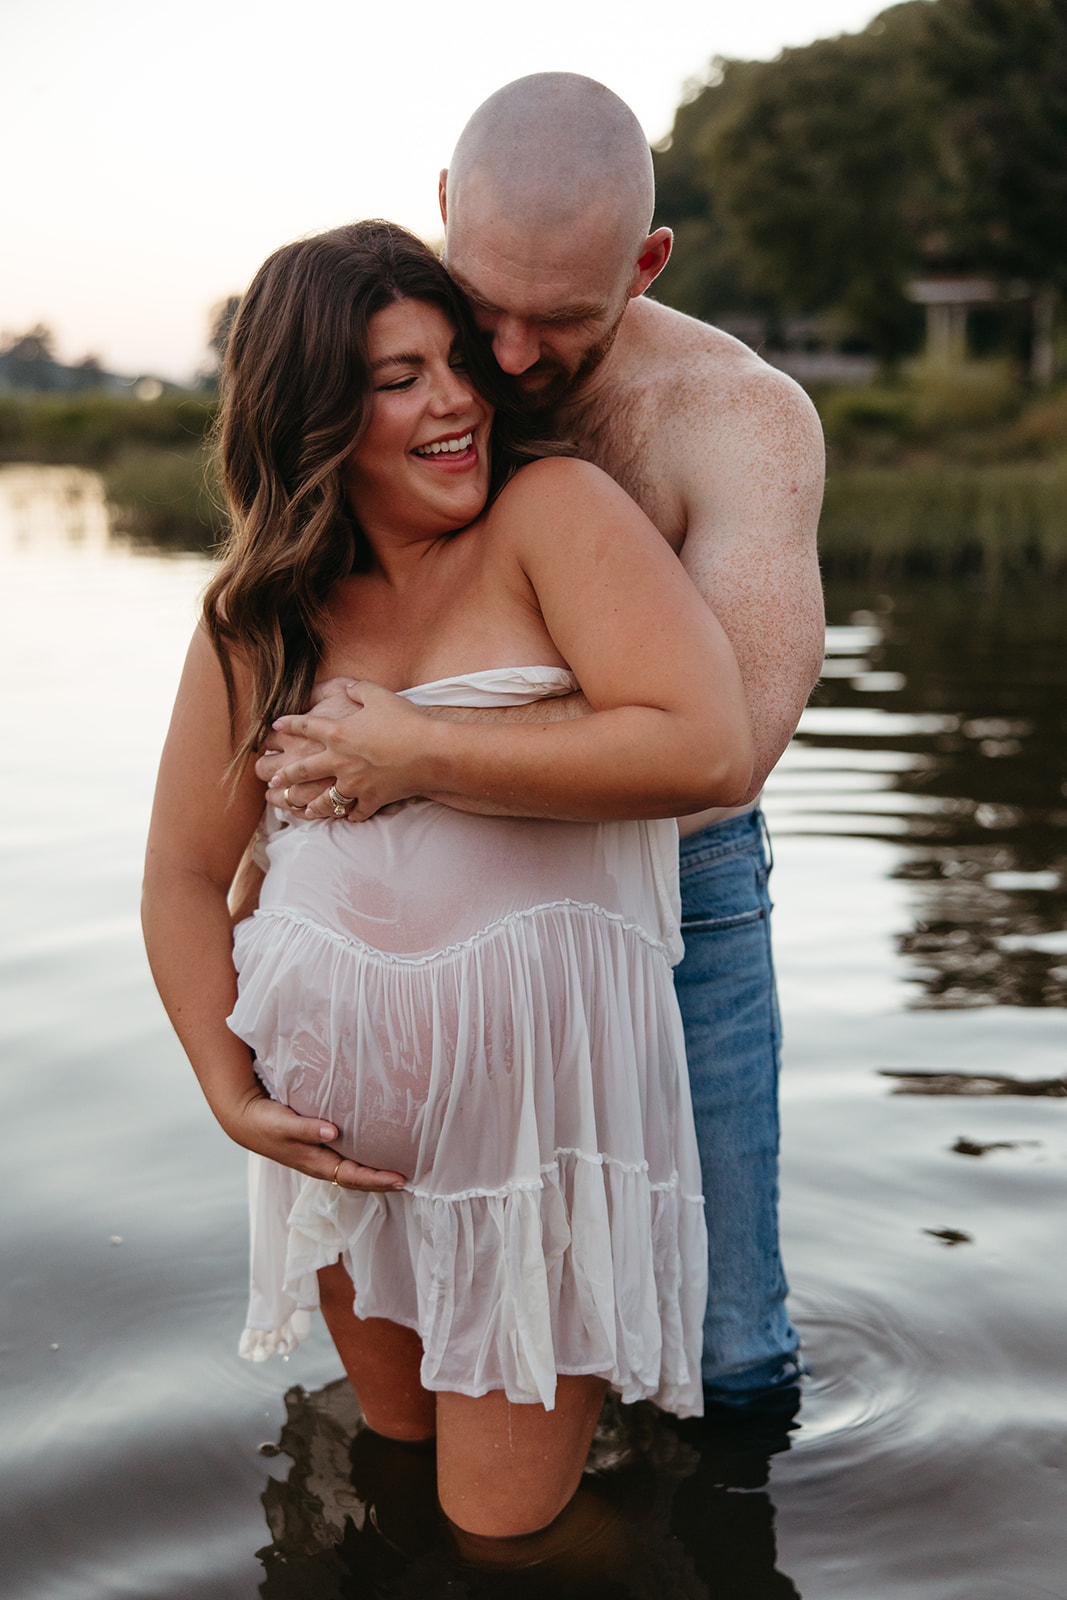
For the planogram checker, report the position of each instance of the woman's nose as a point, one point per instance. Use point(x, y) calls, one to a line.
point(454, 392)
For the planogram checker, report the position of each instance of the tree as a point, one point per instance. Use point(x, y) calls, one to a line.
point(1001, 66)
point(36, 344)
point(825, 176)
point(222, 316)
point(935, 140)
point(709, 272)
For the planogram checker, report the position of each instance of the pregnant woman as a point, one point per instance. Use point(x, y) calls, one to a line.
point(503, 1216)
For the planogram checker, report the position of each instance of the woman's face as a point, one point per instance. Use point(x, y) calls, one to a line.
point(422, 467)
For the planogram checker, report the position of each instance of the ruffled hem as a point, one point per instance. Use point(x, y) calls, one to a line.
point(259, 1343)
point(589, 1269)
point(529, 1079)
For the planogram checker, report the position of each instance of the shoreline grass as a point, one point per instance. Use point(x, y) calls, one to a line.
point(923, 481)
point(946, 520)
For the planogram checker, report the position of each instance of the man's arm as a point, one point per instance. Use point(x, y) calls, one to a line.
point(335, 703)
point(669, 729)
point(745, 470)
point(750, 471)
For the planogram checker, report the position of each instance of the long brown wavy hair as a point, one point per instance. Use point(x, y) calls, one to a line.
point(296, 400)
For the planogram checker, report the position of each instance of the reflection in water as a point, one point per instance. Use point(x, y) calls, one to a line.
point(61, 509)
point(973, 1083)
point(920, 834)
point(667, 1511)
point(968, 755)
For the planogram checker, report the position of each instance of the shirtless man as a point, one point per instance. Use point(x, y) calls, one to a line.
point(547, 207)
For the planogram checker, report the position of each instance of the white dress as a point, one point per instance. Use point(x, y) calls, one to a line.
point(485, 1005)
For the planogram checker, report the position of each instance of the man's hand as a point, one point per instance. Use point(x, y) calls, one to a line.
point(328, 699)
point(371, 751)
point(303, 1143)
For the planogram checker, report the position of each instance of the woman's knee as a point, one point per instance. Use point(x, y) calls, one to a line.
point(507, 1471)
point(382, 1360)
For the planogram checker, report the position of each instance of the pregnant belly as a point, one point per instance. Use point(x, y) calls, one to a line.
point(424, 879)
point(376, 1129)
point(328, 1047)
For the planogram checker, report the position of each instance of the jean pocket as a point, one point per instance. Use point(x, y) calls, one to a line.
point(722, 924)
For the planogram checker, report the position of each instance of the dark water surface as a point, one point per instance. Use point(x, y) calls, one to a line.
point(920, 827)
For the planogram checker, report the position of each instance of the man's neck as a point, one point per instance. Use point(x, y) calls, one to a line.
point(608, 377)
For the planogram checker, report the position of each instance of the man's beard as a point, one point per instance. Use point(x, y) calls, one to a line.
point(556, 383)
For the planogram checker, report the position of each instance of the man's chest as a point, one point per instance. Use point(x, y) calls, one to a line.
point(621, 439)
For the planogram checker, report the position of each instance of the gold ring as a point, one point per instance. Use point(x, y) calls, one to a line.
point(288, 803)
point(340, 802)
point(336, 1170)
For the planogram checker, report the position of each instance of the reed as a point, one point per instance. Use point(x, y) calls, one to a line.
point(945, 519)
point(165, 497)
point(92, 430)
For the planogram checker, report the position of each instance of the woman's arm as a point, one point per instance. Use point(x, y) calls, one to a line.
point(198, 834)
point(669, 730)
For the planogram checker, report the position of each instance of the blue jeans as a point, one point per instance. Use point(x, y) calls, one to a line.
point(726, 991)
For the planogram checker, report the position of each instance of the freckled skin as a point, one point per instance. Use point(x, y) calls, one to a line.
point(725, 456)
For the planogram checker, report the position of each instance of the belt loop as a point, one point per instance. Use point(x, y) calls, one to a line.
point(766, 835)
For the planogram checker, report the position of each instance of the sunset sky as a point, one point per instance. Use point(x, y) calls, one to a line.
point(154, 155)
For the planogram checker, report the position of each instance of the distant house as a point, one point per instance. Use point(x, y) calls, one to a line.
point(28, 366)
point(811, 349)
point(950, 300)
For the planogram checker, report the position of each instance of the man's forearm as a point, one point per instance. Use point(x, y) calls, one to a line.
point(562, 709)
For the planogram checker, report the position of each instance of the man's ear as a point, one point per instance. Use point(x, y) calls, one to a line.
point(442, 183)
point(652, 260)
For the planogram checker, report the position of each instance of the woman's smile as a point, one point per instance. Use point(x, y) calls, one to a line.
point(451, 450)
point(422, 465)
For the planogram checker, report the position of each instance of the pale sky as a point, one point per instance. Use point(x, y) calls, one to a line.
point(155, 154)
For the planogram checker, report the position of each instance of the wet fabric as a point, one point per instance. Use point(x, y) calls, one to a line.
point(487, 1006)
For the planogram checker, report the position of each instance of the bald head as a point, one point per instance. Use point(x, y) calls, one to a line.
point(547, 207)
point(557, 152)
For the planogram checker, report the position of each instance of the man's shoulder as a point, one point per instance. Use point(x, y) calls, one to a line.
point(695, 374)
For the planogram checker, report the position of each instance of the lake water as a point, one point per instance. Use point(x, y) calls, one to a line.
point(920, 833)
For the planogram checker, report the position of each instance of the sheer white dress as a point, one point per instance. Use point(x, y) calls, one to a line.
point(485, 1005)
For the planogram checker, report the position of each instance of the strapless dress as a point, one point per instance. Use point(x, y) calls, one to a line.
point(485, 1005)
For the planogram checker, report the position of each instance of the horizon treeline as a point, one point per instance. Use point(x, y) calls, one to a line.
point(932, 143)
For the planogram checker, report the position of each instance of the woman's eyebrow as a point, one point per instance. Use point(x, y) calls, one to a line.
point(404, 359)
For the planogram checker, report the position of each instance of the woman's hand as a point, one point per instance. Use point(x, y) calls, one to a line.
point(328, 699)
point(371, 754)
point(303, 1143)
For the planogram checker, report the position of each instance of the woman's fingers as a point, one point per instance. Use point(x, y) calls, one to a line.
point(350, 1175)
point(308, 770)
point(297, 796)
point(304, 1143)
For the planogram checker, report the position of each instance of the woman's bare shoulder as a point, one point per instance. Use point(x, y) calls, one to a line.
point(560, 483)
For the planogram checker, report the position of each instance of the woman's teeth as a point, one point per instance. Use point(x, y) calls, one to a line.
point(445, 446)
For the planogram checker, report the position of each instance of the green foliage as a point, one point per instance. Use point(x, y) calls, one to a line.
point(92, 430)
point(869, 423)
point(942, 521)
point(708, 268)
point(824, 172)
point(165, 497)
point(1041, 430)
point(943, 417)
point(1000, 67)
point(953, 398)
point(935, 140)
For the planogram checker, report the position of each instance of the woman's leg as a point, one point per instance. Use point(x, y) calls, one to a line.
point(505, 1470)
point(382, 1360)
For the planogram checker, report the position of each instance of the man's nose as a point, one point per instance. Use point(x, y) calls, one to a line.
point(515, 345)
